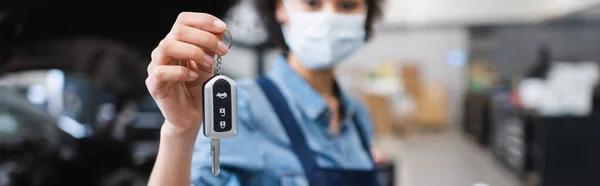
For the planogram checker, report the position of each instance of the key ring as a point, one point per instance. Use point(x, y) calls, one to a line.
point(219, 60)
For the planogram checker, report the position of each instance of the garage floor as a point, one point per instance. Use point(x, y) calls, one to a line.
point(445, 159)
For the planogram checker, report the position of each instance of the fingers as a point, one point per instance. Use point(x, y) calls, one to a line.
point(207, 64)
point(201, 21)
point(188, 24)
point(200, 38)
point(173, 49)
point(378, 157)
point(168, 73)
point(169, 49)
point(195, 38)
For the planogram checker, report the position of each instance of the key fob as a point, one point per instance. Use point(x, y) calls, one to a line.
point(220, 108)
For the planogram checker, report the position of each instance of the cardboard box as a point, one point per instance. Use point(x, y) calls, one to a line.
point(380, 109)
point(432, 105)
point(411, 78)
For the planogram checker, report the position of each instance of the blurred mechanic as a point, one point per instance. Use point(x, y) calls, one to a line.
point(314, 135)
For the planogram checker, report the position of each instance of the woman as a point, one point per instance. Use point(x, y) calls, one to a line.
point(295, 125)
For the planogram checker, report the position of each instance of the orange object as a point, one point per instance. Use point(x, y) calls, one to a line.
point(432, 105)
point(380, 109)
point(411, 78)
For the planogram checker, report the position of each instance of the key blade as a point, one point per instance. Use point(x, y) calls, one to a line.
point(216, 170)
point(215, 165)
point(215, 153)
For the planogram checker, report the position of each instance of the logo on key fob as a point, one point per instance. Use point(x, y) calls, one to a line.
point(222, 95)
point(222, 124)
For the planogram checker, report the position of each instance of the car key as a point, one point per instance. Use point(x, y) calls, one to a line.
point(220, 111)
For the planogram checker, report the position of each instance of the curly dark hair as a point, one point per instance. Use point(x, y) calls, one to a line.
point(266, 11)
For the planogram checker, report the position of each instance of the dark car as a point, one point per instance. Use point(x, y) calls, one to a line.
point(107, 131)
point(31, 144)
point(105, 147)
point(42, 147)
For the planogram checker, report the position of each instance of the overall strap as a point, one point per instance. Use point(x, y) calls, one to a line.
point(289, 123)
point(363, 135)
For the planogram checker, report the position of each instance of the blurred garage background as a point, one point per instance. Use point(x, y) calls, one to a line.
point(462, 92)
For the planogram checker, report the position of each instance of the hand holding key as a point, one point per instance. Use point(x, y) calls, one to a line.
point(181, 64)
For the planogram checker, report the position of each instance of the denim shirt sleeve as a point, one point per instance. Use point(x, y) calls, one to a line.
point(241, 155)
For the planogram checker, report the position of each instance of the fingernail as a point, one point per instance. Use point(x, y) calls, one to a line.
point(219, 24)
point(223, 48)
point(209, 59)
point(193, 75)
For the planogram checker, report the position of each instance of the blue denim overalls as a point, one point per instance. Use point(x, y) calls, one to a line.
point(316, 175)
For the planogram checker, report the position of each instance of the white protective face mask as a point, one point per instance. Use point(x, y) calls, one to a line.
point(322, 39)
